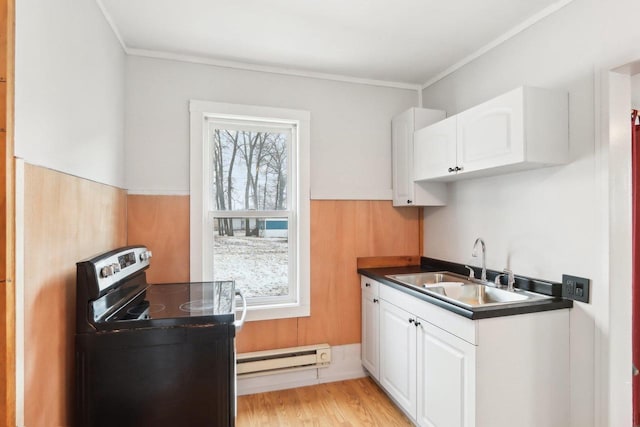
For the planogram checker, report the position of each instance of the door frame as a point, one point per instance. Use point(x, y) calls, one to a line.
point(612, 302)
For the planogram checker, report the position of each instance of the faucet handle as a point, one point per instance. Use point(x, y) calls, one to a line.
point(511, 280)
point(497, 279)
point(472, 274)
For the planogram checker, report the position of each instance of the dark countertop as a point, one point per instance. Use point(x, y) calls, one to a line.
point(429, 264)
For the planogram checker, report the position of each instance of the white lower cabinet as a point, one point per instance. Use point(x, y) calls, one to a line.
point(445, 370)
point(398, 356)
point(427, 371)
point(370, 347)
point(446, 378)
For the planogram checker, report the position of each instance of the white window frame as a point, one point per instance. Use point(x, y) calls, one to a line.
point(201, 224)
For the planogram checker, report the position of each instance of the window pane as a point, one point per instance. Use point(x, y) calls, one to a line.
point(255, 253)
point(249, 169)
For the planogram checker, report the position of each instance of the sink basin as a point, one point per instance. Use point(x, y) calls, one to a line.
point(427, 279)
point(465, 292)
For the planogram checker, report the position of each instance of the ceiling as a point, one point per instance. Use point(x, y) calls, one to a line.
point(396, 41)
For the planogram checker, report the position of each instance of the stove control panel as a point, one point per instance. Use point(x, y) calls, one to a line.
point(117, 265)
point(127, 259)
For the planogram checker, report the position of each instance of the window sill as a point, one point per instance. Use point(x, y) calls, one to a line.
point(276, 312)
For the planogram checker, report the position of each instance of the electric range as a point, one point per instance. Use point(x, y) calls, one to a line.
point(152, 354)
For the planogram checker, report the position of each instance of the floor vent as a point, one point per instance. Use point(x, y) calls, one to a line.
point(283, 360)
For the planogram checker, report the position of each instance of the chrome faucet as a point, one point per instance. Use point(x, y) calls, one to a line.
point(483, 275)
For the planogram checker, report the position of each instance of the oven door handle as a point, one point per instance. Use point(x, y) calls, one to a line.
point(239, 323)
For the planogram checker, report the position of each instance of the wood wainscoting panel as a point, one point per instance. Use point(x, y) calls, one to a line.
point(66, 219)
point(267, 335)
point(162, 224)
point(342, 231)
point(335, 313)
point(385, 230)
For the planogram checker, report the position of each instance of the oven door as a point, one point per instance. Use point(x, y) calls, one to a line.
point(175, 376)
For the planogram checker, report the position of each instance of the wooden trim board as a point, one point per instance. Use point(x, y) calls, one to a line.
point(7, 218)
point(388, 261)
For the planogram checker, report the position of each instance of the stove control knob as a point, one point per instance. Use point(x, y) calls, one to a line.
point(108, 270)
point(145, 255)
point(105, 271)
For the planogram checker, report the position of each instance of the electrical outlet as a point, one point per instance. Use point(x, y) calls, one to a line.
point(575, 288)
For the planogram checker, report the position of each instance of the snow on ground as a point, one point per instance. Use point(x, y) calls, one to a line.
point(257, 264)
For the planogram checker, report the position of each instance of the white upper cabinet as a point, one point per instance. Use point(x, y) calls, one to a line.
point(435, 149)
point(523, 129)
point(491, 134)
point(405, 191)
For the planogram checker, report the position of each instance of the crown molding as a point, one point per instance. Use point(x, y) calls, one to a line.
point(268, 69)
point(498, 41)
point(109, 19)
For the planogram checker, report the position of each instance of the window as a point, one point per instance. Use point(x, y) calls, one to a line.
point(250, 204)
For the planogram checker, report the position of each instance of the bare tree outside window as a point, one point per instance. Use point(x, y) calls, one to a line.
point(250, 172)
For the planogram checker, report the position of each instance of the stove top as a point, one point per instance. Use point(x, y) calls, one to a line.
point(179, 300)
point(113, 293)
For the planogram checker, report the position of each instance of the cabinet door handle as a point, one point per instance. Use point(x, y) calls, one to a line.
point(458, 169)
point(367, 285)
point(409, 202)
point(451, 169)
point(375, 300)
point(411, 320)
point(417, 323)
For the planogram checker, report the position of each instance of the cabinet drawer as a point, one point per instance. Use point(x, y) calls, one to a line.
point(370, 286)
point(450, 322)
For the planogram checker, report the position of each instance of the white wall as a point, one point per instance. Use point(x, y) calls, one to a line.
point(551, 221)
point(69, 103)
point(350, 124)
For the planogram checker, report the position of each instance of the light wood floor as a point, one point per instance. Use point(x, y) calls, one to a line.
point(357, 402)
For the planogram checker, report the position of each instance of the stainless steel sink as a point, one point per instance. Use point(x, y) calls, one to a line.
point(426, 279)
point(465, 292)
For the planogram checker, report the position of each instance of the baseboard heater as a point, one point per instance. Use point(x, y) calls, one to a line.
point(283, 360)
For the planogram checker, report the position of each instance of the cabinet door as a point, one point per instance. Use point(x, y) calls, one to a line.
point(446, 378)
point(435, 150)
point(370, 348)
point(401, 155)
point(398, 355)
point(491, 134)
